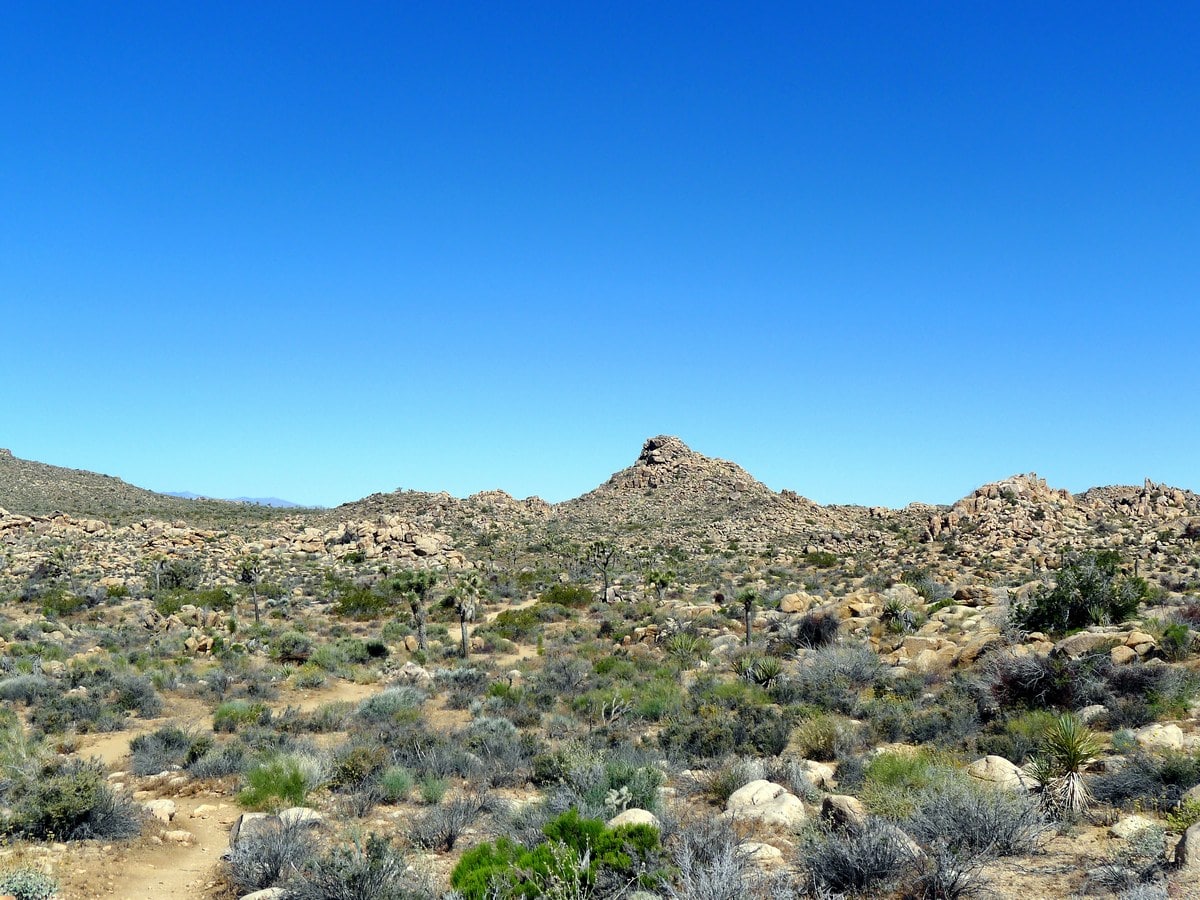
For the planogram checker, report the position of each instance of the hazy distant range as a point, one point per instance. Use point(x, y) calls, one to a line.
point(257, 501)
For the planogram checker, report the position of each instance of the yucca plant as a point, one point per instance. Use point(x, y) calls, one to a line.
point(1067, 748)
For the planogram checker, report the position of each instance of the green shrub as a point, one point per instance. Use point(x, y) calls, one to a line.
point(292, 646)
point(432, 789)
point(275, 783)
point(576, 852)
point(28, 884)
point(234, 715)
point(395, 784)
point(891, 781)
point(1090, 590)
point(821, 559)
point(169, 746)
point(71, 800)
point(573, 596)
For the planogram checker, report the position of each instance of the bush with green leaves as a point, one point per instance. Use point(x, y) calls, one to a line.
point(28, 884)
point(1089, 590)
point(280, 781)
point(292, 646)
point(69, 800)
point(234, 715)
point(577, 851)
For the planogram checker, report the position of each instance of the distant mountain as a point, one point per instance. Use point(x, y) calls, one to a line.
point(273, 502)
point(38, 489)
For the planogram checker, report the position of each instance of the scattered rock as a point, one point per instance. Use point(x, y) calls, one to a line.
point(766, 802)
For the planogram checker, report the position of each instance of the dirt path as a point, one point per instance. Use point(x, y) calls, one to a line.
point(155, 866)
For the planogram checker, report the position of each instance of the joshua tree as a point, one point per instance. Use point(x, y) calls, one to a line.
point(659, 580)
point(413, 586)
point(250, 573)
point(599, 557)
point(747, 597)
point(465, 598)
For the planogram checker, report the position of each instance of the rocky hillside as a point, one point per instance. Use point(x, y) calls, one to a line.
point(671, 499)
point(35, 488)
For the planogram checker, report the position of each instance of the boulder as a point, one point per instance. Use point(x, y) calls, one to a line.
point(251, 823)
point(843, 811)
point(635, 817)
point(1082, 644)
point(1160, 737)
point(302, 815)
point(1001, 772)
point(766, 802)
point(758, 852)
point(1187, 851)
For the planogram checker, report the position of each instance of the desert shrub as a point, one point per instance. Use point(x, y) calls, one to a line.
point(1048, 682)
point(578, 851)
point(810, 632)
point(440, 827)
point(167, 747)
point(220, 761)
point(969, 819)
point(720, 783)
point(278, 782)
point(573, 596)
point(27, 689)
point(1016, 736)
point(394, 704)
point(1151, 780)
point(503, 752)
point(711, 865)
point(356, 763)
point(28, 884)
point(461, 684)
point(234, 715)
point(265, 857)
point(332, 716)
point(1176, 641)
point(360, 602)
point(83, 713)
point(395, 784)
point(71, 800)
point(373, 868)
point(1090, 590)
point(893, 780)
point(874, 857)
point(292, 646)
point(826, 737)
point(948, 718)
point(821, 559)
point(135, 693)
point(832, 678)
point(432, 789)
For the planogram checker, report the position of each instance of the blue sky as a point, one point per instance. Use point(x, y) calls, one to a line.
point(874, 253)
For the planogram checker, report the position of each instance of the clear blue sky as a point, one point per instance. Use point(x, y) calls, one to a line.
point(874, 252)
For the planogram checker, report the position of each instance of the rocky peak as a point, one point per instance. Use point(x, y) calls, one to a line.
point(662, 450)
point(5, 453)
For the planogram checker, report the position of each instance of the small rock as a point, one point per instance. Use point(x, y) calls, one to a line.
point(163, 810)
point(178, 836)
point(1128, 826)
